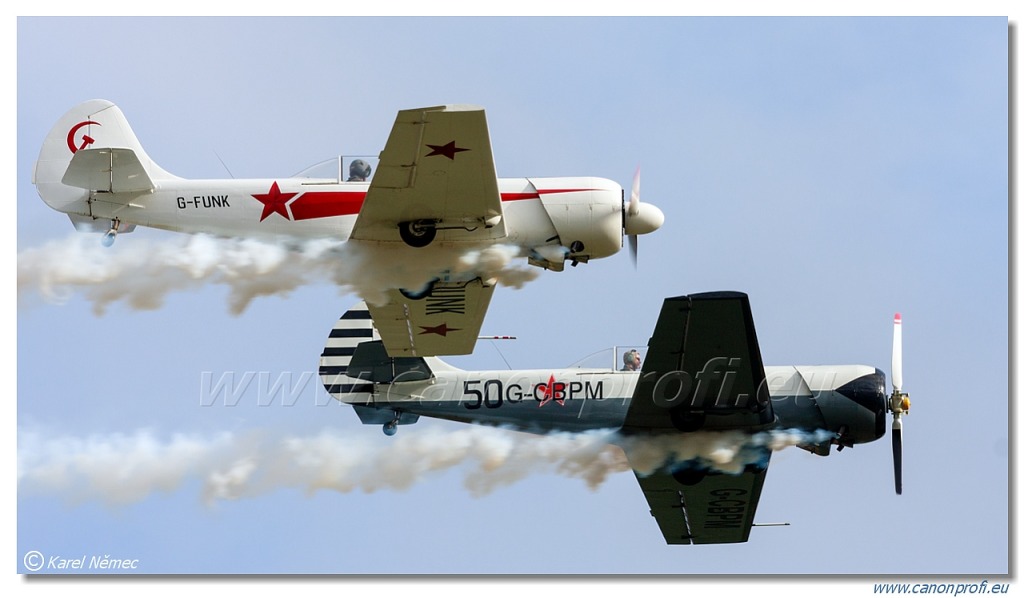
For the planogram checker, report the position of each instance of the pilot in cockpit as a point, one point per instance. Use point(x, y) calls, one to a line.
point(631, 361)
point(358, 170)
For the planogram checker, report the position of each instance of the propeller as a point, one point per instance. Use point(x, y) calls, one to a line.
point(633, 210)
point(899, 401)
point(638, 218)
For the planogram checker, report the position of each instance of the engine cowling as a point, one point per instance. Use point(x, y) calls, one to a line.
point(848, 400)
point(586, 212)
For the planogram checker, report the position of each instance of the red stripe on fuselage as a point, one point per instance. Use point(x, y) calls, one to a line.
point(537, 194)
point(547, 191)
point(518, 196)
point(325, 204)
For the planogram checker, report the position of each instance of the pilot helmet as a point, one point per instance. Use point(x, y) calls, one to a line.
point(359, 170)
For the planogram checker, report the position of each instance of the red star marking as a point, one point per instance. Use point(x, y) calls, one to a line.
point(274, 201)
point(441, 329)
point(447, 150)
point(549, 392)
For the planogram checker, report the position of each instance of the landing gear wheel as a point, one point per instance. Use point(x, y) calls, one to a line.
point(689, 476)
point(417, 233)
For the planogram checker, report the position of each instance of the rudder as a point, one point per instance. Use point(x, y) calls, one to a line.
point(355, 326)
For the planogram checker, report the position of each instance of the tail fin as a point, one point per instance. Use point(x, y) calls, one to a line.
point(107, 157)
point(354, 327)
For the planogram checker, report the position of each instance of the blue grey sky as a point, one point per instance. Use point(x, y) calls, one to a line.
point(837, 170)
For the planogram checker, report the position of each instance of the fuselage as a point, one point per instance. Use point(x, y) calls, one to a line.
point(848, 400)
point(537, 213)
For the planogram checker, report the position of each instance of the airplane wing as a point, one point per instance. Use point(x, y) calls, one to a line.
point(437, 167)
point(705, 508)
point(446, 321)
point(703, 371)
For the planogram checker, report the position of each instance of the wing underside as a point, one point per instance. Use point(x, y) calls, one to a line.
point(702, 507)
point(445, 321)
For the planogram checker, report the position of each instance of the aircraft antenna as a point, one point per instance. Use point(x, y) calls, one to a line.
point(495, 345)
point(223, 164)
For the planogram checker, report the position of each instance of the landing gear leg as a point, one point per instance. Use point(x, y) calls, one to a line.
point(391, 428)
point(110, 235)
point(840, 437)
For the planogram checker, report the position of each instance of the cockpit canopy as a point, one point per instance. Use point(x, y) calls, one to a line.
point(341, 169)
point(617, 358)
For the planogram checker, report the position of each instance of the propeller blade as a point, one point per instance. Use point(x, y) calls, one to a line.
point(634, 194)
point(632, 210)
point(897, 352)
point(622, 241)
point(897, 454)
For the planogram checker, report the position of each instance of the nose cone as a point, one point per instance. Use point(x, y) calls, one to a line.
point(868, 392)
point(646, 219)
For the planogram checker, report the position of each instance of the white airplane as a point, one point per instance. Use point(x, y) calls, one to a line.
point(703, 372)
point(435, 189)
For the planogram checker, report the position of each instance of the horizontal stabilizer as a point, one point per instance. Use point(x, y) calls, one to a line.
point(372, 363)
point(108, 169)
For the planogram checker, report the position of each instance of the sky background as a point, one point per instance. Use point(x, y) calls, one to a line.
point(836, 170)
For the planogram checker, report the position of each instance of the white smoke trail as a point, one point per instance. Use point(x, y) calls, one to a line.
point(122, 469)
point(142, 273)
point(726, 452)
